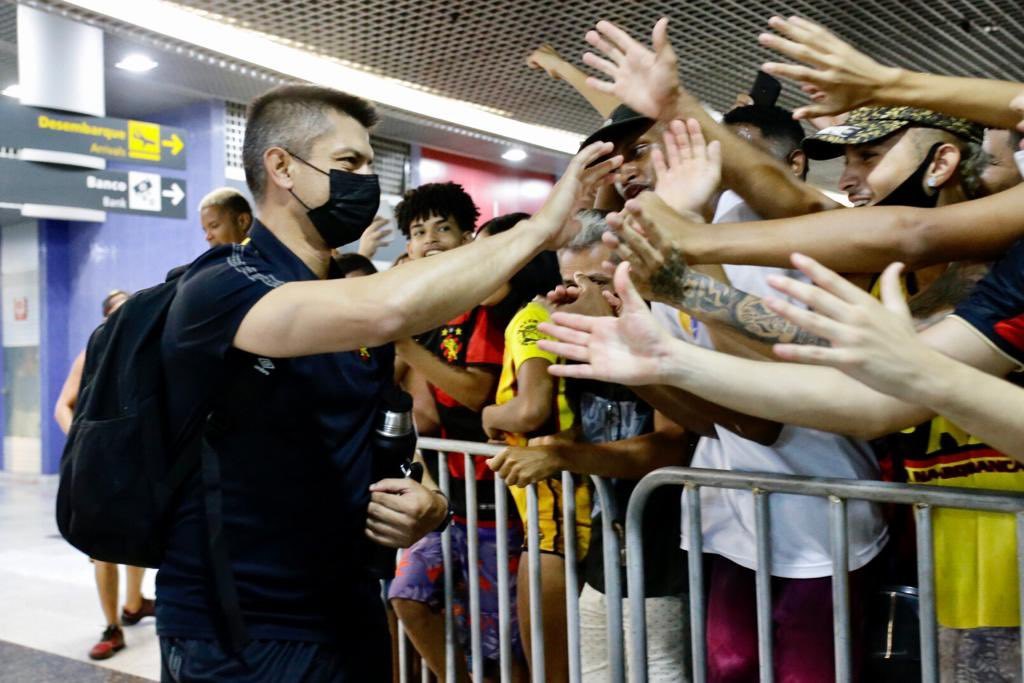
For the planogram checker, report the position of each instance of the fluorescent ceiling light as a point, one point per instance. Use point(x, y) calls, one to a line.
point(136, 63)
point(13, 90)
point(514, 154)
point(176, 22)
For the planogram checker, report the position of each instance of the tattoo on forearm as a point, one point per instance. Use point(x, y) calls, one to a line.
point(705, 297)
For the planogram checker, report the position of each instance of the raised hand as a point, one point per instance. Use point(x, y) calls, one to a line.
point(646, 80)
point(632, 349)
point(375, 237)
point(546, 58)
point(652, 237)
point(837, 77)
point(873, 342)
point(577, 182)
point(689, 170)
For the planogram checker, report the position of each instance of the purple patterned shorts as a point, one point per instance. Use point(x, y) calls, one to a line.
point(420, 578)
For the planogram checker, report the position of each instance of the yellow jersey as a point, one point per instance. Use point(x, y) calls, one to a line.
point(521, 337)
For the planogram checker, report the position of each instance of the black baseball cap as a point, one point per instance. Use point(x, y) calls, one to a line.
point(622, 129)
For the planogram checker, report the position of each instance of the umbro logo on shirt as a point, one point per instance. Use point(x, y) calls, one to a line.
point(263, 365)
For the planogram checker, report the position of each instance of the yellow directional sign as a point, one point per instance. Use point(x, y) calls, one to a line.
point(24, 127)
point(175, 144)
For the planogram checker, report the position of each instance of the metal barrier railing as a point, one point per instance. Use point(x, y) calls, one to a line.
point(762, 486)
point(611, 559)
point(838, 492)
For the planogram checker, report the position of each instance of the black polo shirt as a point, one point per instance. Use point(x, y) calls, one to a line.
point(293, 442)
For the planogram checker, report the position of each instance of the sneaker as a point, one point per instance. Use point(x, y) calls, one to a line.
point(147, 609)
point(111, 642)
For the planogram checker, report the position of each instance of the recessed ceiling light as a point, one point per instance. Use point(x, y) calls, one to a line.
point(13, 90)
point(514, 154)
point(137, 63)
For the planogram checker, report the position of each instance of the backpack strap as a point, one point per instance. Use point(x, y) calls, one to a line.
point(224, 582)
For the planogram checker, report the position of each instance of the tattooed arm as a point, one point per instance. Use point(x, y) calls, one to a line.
point(661, 274)
point(715, 302)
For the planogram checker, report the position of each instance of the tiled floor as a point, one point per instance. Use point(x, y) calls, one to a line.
point(48, 599)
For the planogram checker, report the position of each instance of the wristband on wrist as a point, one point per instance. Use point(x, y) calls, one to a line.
point(448, 515)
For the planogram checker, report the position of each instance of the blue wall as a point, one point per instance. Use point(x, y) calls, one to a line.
point(80, 263)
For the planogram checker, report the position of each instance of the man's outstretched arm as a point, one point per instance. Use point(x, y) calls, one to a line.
point(840, 78)
point(633, 349)
point(863, 240)
point(306, 318)
point(555, 66)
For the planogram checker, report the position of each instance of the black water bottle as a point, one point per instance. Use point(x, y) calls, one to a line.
point(393, 446)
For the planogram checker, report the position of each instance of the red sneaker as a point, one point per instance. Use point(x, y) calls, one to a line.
point(147, 609)
point(111, 642)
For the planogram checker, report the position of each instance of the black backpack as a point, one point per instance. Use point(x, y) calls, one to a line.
point(119, 473)
point(122, 472)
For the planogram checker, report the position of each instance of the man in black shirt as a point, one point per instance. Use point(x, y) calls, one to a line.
point(259, 336)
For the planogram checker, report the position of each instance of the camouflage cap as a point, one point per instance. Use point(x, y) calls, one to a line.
point(868, 124)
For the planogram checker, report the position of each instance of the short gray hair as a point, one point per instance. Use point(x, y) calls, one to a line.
point(593, 226)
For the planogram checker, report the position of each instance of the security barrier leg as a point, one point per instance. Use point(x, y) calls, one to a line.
point(612, 560)
point(572, 589)
point(695, 560)
point(839, 537)
point(763, 582)
point(504, 584)
point(472, 525)
point(926, 594)
point(449, 582)
point(536, 597)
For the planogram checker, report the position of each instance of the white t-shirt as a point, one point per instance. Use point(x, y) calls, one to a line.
point(799, 525)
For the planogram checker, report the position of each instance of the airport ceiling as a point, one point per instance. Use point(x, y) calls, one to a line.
point(475, 50)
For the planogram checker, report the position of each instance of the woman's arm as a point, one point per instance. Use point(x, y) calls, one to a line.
point(64, 411)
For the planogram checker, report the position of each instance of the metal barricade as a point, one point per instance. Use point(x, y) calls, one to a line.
point(611, 558)
point(837, 491)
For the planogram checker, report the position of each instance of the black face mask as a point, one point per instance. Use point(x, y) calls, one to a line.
point(911, 191)
point(350, 208)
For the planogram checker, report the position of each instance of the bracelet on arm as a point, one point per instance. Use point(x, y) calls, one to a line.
point(448, 515)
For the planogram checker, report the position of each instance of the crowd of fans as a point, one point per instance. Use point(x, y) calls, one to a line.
point(710, 354)
point(695, 302)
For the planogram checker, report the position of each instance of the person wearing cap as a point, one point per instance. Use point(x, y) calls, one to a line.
point(847, 242)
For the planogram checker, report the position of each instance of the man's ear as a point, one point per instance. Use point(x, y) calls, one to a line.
point(943, 166)
point(797, 161)
point(279, 166)
point(244, 222)
point(468, 236)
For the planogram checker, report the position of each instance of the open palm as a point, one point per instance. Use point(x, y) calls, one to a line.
point(644, 79)
point(631, 349)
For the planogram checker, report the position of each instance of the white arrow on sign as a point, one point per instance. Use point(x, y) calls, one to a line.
point(176, 194)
